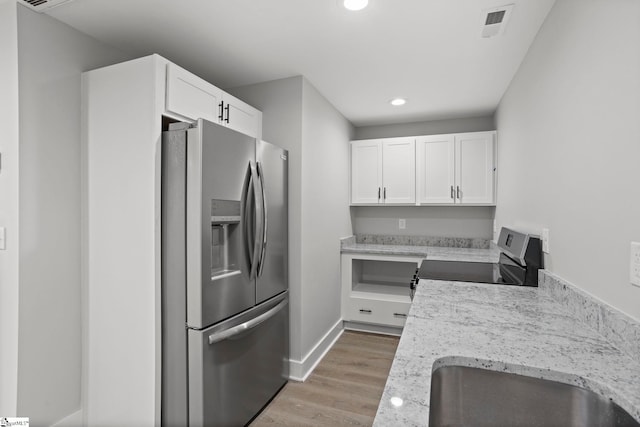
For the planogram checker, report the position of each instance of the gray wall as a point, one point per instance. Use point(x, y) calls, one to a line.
point(281, 104)
point(51, 57)
point(298, 118)
point(440, 221)
point(9, 169)
point(325, 215)
point(570, 142)
point(434, 127)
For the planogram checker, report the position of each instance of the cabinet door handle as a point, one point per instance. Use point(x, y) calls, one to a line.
point(227, 110)
point(385, 193)
point(453, 194)
point(458, 191)
point(365, 311)
point(221, 115)
point(378, 194)
point(399, 315)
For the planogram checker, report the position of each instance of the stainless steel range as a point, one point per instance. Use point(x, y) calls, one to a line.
point(520, 259)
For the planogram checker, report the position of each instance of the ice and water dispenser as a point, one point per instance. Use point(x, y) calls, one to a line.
point(225, 237)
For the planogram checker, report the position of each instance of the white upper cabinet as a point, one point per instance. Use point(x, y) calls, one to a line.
point(189, 96)
point(383, 171)
point(240, 116)
point(436, 169)
point(366, 172)
point(475, 168)
point(399, 170)
point(456, 169)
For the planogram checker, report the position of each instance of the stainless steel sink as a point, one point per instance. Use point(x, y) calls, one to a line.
point(462, 396)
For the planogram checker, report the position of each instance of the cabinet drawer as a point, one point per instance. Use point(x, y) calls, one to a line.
point(380, 312)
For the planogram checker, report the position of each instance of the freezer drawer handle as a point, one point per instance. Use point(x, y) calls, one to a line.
point(236, 330)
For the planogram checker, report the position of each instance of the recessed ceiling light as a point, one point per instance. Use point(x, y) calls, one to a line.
point(396, 102)
point(356, 4)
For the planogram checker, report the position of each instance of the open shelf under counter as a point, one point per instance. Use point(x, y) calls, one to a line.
point(375, 288)
point(382, 291)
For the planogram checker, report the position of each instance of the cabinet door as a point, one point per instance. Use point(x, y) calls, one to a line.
point(366, 172)
point(475, 168)
point(191, 97)
point(240, 116)
point(399, 170)
point(436, 169)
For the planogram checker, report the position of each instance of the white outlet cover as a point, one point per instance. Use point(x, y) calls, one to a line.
point(634, 264)
point(402, 224)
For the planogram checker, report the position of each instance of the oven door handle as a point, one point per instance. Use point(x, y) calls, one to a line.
point(250, 324)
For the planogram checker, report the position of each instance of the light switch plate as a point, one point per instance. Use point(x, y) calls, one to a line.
point(634, 262)
point(402, 224)
point(3, 241)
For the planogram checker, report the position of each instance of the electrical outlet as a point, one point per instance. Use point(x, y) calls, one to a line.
point(545, 240)
point(3, 240)
point(634, 269)
point(402, 224)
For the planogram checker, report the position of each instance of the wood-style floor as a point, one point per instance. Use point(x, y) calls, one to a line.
point(343, 390)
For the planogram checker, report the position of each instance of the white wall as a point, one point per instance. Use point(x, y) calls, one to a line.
point(9, 169)
point(437, 221)
point(569, 132)
point(298, 118)
point(325, 211)
point(51, 58)
point(433, 127)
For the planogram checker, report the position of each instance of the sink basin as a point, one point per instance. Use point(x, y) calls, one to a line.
point(463, 396)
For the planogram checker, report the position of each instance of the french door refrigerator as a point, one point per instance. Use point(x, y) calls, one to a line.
point(225, 315)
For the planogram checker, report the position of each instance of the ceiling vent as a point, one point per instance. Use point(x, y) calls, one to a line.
point(495, 20)
point(42, 5)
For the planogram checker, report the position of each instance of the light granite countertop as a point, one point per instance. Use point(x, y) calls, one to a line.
point(430, 252)
point(506, 328)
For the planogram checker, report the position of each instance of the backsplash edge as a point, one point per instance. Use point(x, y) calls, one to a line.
point(620, 329)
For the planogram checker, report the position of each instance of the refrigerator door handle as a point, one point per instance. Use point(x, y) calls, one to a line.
point(251, 208)
point(236, 330)
point(263, 249)
point(253, 215)
point(246, 220)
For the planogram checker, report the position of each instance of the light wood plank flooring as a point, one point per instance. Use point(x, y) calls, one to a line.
point(343, 390)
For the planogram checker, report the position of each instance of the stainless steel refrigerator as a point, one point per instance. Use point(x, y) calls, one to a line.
point(225, 314)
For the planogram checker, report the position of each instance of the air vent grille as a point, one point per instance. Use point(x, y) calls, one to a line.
point(42, 5)
point(495, 17)
point(495, 20)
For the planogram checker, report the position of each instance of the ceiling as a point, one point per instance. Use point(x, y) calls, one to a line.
point(428, 51)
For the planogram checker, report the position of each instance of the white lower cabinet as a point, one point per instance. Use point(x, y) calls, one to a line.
point(378, 311)
point(375, 288)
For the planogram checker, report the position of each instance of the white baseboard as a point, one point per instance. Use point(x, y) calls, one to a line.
point(73, 420)
point(299, 370)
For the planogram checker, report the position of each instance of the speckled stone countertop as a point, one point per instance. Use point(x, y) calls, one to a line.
point(430, 252)
point(506, 328)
